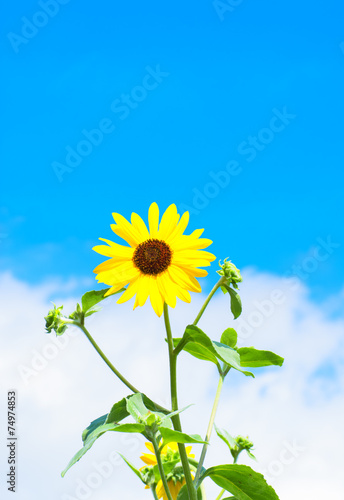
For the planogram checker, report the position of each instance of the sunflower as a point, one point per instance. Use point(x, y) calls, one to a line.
point(169, 453)
point(161, 262)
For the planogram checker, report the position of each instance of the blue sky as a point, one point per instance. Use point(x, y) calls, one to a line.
point(221, 85)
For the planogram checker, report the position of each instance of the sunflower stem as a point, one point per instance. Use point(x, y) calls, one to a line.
point(161, 468)
point(208, 299)
point(220, 494)
point(108, 362)
point(153, 489)
point(210, 428)
point(174, 397)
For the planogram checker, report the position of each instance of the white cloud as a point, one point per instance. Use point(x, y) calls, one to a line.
point(293, 414)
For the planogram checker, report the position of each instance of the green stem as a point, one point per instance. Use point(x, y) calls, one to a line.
point(210, 428)
point(175, 419)
point(108, 362)
point(220, 495)
point(154, 492)
point(161, 468)
point(208, 299)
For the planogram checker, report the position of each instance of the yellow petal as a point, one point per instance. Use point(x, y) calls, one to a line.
point(183, 294)
point(129, 293)
point(142, 291)
point(167, 289)
point(153, 219)
point(148, 459)
point(122, 273)
point(117, 251)
point(156, 298)
point(149, 446)
point(182, 279)
point(168, 222)
point(182, 225)
point(125, 230)
point(140, 226)
point(187, 243)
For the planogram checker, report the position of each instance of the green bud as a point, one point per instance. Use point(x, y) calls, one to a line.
point(55, 321)
point(230, 272)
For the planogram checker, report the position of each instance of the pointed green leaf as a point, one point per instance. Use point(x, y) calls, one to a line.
point(93, 426)
point(199, 345)
point(251, 357)
point(241, 481)
point(136, 471)
point(226, 437)
point(197, 350)
point(230, 357)
point(171, 436)
point(236, 306)
point(229, 337)
point(90, 299)
point(99, 431)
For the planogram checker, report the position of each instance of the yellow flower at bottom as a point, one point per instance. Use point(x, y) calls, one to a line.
point(161, 262)
point(168, 453)
point(172, 486)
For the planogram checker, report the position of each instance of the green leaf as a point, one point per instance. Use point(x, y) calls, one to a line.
point(199, 345)
point(226, 437)
point(229, 337)
point(249, 356)
point(171, 436)
point(136, 407)
point(241, 481)
point(230, 357)
point(90, 299)
point(136, 471)
point(93, 426)
point(117, 413)
point(236, 306)
point(99, 431)
point(197, 350)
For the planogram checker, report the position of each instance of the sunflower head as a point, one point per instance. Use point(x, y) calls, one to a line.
point(175, 477)
point(159, 262)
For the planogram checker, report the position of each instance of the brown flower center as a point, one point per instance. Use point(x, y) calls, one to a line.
point(152, 256)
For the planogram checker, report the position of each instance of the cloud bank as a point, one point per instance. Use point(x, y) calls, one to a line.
point(292, 414)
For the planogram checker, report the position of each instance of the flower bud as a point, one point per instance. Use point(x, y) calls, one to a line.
point(55, 321)
point(230, 272)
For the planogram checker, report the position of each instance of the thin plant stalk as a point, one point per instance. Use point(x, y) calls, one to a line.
point(208, 299)
point(174, 398)
point(161, 469)
point(210, 428)
point(108, 362)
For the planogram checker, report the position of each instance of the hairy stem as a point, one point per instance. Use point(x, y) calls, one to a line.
point(174, 397)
